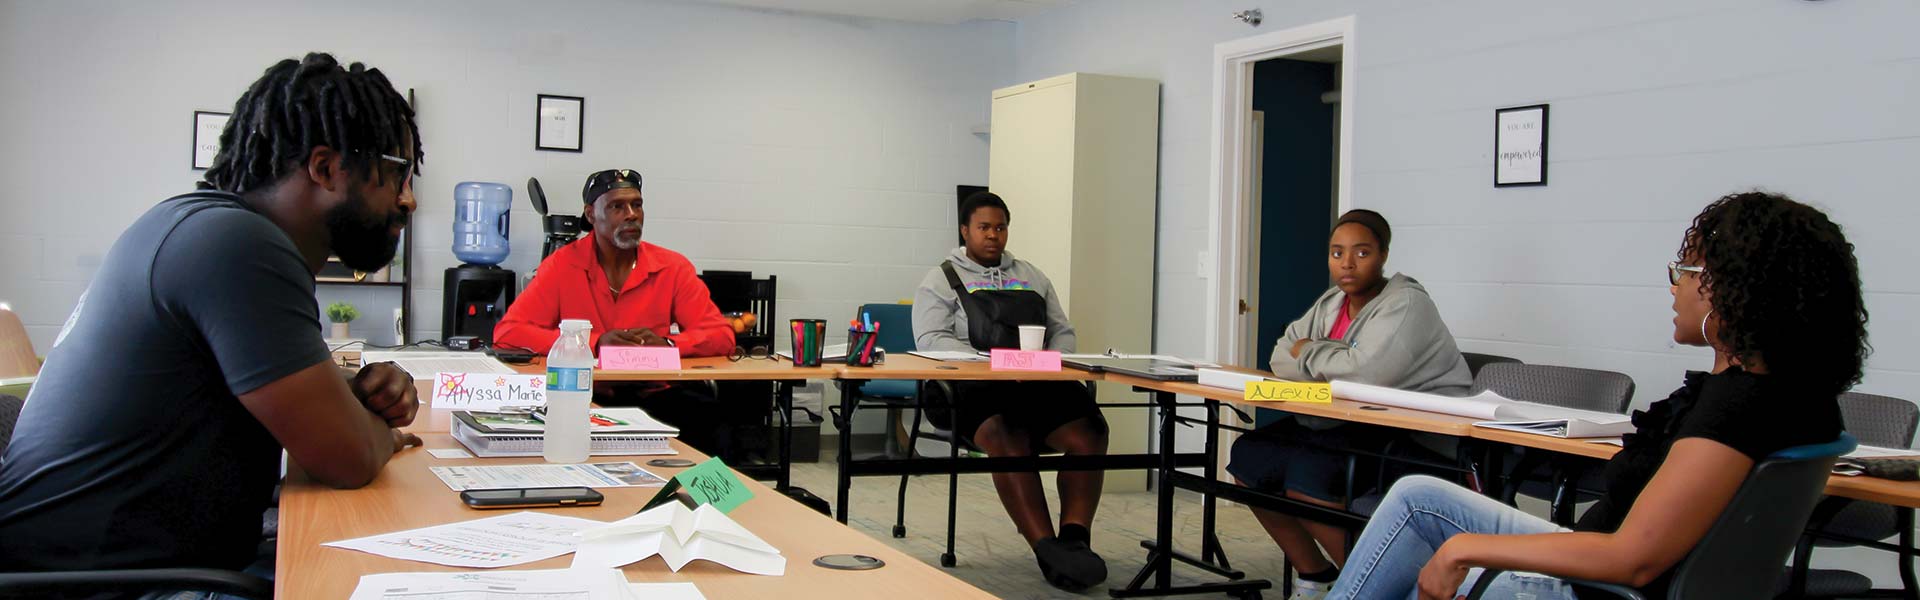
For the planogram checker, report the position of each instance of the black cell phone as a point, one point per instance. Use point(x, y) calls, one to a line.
point(514, 356)
point(532, 497)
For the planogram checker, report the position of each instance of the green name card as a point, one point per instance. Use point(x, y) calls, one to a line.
point(710, 482)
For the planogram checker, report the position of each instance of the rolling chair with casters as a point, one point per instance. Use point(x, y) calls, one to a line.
point(1752, 535)
point(1838, 522)
point(36, 584)
point(1540, 474)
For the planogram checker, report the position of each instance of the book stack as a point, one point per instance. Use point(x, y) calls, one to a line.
point(615, 431)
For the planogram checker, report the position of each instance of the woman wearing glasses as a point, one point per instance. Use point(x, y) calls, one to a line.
point(1772, 287)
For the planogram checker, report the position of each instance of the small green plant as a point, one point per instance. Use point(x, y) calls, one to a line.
point(341, 312)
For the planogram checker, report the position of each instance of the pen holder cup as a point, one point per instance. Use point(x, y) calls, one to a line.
point(808, 336)
point(863, 350)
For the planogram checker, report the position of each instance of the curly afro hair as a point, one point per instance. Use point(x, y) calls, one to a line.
point(1785, 286)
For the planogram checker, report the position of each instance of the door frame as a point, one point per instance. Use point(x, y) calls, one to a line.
point(1231, 222)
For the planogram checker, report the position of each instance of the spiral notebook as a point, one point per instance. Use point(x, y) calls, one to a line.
point(630, 431)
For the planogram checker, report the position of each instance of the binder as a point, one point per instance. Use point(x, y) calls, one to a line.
point(489, 442)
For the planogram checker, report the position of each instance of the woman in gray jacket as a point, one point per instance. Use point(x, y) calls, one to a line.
point(1369, 329)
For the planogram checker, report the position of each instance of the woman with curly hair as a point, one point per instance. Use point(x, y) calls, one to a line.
point(1772, 286)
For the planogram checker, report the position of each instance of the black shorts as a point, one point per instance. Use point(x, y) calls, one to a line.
point(1036, 407)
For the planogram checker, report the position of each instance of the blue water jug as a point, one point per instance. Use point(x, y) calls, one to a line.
point(480, 221)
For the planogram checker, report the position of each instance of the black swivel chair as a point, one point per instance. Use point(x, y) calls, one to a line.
point(1752, 536)
point(73, 583)
point(1878, 421)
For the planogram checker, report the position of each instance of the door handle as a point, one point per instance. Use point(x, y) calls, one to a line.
point(1243, 306)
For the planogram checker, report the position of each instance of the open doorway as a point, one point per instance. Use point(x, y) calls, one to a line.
point(1294, 144)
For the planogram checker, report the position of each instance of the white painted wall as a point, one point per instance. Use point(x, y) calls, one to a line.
point(823, 150)
point(1658, 108)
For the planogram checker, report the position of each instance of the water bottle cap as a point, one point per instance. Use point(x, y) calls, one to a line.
point(569, 324)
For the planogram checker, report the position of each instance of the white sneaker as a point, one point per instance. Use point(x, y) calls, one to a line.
point(1309, 590)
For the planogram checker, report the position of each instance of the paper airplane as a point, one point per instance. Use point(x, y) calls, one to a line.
point(679, 535)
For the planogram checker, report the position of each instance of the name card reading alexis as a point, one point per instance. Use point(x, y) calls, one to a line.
point(488, 391)
point(1289, 391)
point(640, 358)
point(1007, 359)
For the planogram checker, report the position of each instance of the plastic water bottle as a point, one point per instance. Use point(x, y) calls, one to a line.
point(480, 229)
point(569, 391)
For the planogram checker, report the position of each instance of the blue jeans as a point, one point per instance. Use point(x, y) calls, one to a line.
point(1418, 515)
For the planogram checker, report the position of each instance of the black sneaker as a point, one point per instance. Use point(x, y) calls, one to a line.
point(1069, 565)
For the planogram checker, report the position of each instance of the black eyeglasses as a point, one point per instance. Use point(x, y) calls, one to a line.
point(612, 176)
point(756, 353)
point(1675, 270)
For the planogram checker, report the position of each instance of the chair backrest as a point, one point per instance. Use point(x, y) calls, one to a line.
point(896, 325)
point(9, 415)
point(16, 349)
point(1879, 420)
point(738, 291)
point(1742, 553)
point(1476, 360)
point(1567, 387)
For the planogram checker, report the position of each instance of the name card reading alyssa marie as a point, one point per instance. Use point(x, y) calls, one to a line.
point(488, 391)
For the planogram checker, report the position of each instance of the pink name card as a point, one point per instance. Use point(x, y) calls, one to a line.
point(1007, 359)
point(640, 358)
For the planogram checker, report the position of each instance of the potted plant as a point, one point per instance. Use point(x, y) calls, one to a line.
point(341, 313)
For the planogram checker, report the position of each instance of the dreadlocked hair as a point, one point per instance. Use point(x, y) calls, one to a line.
point(300, 105)
point(1785, 286)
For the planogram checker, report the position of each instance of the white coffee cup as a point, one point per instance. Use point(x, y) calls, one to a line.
point(1033, 337)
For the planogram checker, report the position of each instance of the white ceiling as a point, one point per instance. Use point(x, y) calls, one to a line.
point(945, 12)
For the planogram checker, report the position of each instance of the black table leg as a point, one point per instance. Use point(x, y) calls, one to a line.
point(844, 423)
point(783, 398)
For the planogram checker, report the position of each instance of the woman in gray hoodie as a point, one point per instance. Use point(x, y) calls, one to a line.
point(975, 300)
point(1367, 328)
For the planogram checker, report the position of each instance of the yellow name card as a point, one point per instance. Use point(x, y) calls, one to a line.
point(1289, 391)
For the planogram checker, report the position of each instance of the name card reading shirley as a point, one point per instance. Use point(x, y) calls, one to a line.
point(640, 358)
point(488, 391)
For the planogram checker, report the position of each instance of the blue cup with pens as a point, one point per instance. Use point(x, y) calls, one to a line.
point(863, 336)
point(809, 335)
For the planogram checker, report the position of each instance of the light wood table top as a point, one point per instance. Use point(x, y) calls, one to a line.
point(408, 496)
point(906, 366)
point(1340, 408)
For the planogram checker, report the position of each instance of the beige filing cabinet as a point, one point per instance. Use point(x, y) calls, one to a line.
point(1075, 157)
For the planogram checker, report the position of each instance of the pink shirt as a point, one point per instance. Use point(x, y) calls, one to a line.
point(1341, 323)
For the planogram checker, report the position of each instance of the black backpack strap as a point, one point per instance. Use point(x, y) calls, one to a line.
point(953, 279)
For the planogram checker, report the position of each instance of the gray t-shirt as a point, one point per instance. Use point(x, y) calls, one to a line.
point(133, 449)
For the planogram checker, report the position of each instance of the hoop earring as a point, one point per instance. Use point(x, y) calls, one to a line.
point(1703, 328)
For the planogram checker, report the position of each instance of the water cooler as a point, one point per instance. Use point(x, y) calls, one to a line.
point(478, 291)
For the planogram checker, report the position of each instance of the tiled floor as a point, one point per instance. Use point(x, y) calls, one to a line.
point(993, 557)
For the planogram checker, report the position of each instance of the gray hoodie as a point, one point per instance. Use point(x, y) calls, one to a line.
point(940, 324)
point(1397, 340)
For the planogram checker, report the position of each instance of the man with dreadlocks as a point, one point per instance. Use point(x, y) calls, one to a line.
point(153, 436)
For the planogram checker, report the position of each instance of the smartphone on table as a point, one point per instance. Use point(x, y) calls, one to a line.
point(531, 497)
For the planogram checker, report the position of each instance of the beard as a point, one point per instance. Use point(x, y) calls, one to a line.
point(625, 242)
point(362, 239)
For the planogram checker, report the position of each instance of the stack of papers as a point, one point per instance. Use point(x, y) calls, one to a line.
point(1850, 463)
point(517, 585)
point(502, 541)
point(427, 365)
point(949, 355)
point(1495, 411)
point(679, 535)
point(507, 477)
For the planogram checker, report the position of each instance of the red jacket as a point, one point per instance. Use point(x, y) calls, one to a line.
point(663, 290)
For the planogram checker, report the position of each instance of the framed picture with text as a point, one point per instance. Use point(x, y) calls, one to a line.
point(206, 137)
point(560, 124)
point(1520, 146)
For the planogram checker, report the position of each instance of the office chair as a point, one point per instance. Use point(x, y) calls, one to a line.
point(1752, 535)
point(73, 583)
point(1877, 421)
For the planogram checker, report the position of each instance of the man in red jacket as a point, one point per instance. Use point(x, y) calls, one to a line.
point(634, 293)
